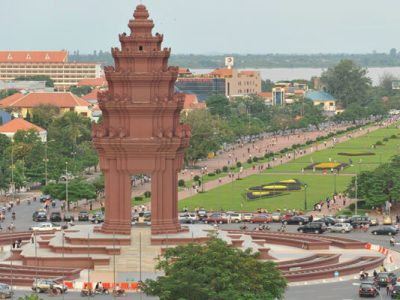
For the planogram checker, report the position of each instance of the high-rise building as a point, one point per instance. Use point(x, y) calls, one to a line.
point(54, 64)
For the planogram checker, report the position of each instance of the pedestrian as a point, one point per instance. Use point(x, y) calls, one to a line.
point(32, 238)
point(389, 288)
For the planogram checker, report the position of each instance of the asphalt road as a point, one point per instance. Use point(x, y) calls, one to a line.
point(76, 295)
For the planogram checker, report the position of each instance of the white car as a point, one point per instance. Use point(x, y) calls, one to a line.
point(246, 217)
point(234, 217)
point(45, 226)
point(188, 218)
point(341, 227)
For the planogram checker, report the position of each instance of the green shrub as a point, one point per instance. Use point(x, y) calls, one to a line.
point(379, 143)
point(255, 159)
point(224, 169)
point(138, 198)
point(249, 161)
point(385, 139)
point(238, 164)
point(181, 183)
point(267, 155)
point(232, 168)
point(218, 171)
point(147, 194)
point(196, 178)
point(211, 174)
point(393, 136)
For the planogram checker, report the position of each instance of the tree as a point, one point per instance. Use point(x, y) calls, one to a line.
point(43, 115)
point(49, 81)
point(267, 85)
point(347, 82)
point(218, 105)
point(385, 82)
point(77, 189)
point(7, 93)
point(380, 185)
point(81, 90)
point(215, 271)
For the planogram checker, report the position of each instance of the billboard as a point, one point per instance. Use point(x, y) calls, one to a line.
point(229, 61)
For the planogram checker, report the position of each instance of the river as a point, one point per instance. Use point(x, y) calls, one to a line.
point(278, 74)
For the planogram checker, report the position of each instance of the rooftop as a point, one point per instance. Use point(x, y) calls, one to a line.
point(62, 100)
point(96, 82)
point(19, 124)
point(319, 96)
point(33, 56)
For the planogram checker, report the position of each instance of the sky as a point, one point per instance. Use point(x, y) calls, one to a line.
point(206, 26)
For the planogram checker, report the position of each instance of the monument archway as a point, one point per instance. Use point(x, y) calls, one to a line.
point(141, 130)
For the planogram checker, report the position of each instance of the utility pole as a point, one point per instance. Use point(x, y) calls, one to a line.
point(45, 162)
point(66, 185)
point(356, 194)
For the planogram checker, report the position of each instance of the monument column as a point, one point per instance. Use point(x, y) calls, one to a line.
point(164, 208)
point(117, 209)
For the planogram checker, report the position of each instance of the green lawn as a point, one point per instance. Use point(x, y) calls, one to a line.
point(231, 196)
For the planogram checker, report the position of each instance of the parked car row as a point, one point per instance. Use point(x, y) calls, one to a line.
point(56, 216)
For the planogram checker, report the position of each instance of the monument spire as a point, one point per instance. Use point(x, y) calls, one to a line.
point(141, 132)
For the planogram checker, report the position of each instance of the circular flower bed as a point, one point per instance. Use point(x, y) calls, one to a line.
point(356, 153)
point(259, 195)
point(326, 166)
point(273, 189)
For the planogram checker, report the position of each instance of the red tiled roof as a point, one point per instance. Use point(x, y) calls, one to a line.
point(19, 124)
point(184, 71)
point(33, 56)
point(91, 96)
point(101, 81)
point(222, 73)
point(62, 100)
point(190, 100)
point(265, 94)
point(247, 73)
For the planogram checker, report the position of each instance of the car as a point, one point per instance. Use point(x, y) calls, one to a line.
point(45, 226)
point(342, 219)
point(261, 218)
point(97, 218)
point(395, 292)
point(234, 217)
point(246, 217)
point(374, 222)
point(83, 215)
point(384, 230)
point(43, 285)
point(44, 198)
point(327, 220)
point(276, 217)
point(356, 221)
point(5, 291)
point(368, 289)
point(340, 227)
point(55, 216)
point(384, 278)
point(313, 227)
point(202, 214)
point(68, 217)
point(39, 216)
point(297, 220)
point(187, 218)
point(387, 220)
point(143, 217)
point(216, 218)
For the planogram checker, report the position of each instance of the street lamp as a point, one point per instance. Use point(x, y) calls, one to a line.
point(66, 185)
point(203, 171)
point(356, 195)
point(46, 160)
point(305, 196)
point(12, 171)
point(334, 182)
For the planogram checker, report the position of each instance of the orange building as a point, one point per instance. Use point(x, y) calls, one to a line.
point(10, 128)
point(54, 64)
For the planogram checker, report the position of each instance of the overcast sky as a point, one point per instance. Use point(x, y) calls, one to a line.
point(206, 26)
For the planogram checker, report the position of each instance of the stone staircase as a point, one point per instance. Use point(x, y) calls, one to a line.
point(129, 258)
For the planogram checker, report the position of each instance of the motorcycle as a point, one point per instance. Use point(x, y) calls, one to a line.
point(102, 291)
point(364, 276)
point(118, 293)
point(87, 292)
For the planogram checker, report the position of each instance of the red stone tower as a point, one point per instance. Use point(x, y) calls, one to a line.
point(141, 131)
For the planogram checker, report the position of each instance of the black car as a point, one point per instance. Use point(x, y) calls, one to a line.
point(83, 216)
point(328, 221)
point(298, 220)
point(368, 289)
point(44, 198)
point(396, 291)
point(68, 217)
point(55, 216)
point(384, 278)
point(384, 230)
point(356, 221)
point(313, 227)
point(39, 216)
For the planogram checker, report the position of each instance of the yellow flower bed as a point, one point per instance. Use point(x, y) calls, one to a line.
point(288, 181)
point(330, 165)
point(275, 187)
point(260, 193)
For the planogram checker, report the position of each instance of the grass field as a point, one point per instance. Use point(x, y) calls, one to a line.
point(231, 196)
